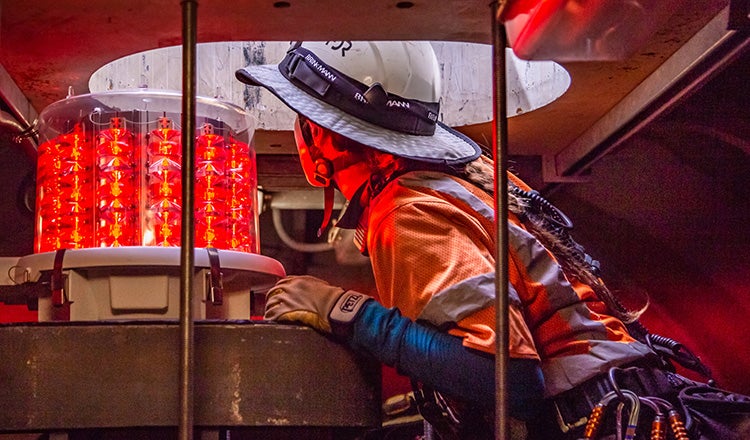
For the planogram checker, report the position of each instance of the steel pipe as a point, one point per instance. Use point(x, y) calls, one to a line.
point(500, 147)
point(189, 39)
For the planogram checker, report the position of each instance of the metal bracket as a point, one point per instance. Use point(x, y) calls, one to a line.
point(215, 278)
point(60, 300)
point(58, 281)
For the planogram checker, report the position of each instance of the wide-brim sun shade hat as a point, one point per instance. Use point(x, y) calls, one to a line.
point(369, 115)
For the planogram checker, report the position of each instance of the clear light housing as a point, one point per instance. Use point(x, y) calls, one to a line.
point(109, 173)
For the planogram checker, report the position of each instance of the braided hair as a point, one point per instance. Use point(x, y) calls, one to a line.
point(571, 256)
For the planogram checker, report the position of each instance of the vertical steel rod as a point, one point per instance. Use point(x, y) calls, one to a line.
point(500, 144)
point(187, 252)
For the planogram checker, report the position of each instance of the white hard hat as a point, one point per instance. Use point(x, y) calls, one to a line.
point(406, 68)
point(381, 94)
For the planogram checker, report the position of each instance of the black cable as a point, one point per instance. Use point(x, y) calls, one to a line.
point(556, 222)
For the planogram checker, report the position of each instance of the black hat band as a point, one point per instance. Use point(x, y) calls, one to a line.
point(372, 104)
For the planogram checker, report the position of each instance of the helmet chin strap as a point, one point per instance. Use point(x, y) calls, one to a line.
point(322, 174)
point(318, 169)
point(327, 208)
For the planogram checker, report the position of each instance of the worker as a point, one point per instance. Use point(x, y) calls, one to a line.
point(420, 196)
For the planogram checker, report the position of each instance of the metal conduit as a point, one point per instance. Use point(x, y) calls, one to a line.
point(500, 144)
point(187, 251)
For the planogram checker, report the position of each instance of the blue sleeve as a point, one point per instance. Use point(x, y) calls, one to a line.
point(440, 360)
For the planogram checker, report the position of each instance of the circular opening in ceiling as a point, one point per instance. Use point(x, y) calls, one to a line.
point(466, 71)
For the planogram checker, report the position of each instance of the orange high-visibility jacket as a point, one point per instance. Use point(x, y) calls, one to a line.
point(430, 237)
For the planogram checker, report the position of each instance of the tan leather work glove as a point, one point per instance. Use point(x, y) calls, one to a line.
point(313, 302)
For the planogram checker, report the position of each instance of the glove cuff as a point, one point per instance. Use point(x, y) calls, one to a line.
point(347, 307)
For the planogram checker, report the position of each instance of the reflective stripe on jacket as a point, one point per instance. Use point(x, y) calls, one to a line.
point(431, 240)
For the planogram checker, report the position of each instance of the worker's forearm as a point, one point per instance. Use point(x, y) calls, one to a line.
point(441, 361)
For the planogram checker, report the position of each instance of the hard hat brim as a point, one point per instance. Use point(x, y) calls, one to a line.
point(446, 145)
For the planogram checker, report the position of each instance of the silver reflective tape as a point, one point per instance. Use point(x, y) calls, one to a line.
point(463, 299)
point(541, 267)
point(450, 187)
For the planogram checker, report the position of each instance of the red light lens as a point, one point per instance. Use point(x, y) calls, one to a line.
point(125, 189)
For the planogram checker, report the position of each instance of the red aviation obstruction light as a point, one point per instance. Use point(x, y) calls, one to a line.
point(109, 175)
point(65, 192)
point(109, 209)
point(242, 192)
point(117, 186)
point(210, 189)
point(164, 177)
